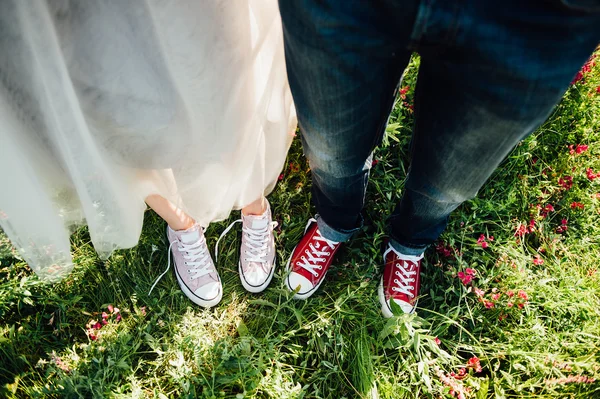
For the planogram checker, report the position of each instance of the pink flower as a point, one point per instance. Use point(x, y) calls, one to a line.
point(104, 315)
point(510, 294)
point(537, 260)
point(479, 292)
point(118, 317)
point(471, 272)
point(509, 304)
point(497, 296)
point(97, 326)
point(143, 310)
point(481, 241)
point(280, 178)
point(523, 295)
point(521, 230)
point(474, 364)
point(465, 278)
point(488, 304)
point(110, 308)
point(437, 341)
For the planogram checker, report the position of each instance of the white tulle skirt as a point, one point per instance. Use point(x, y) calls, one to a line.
point(103, 103)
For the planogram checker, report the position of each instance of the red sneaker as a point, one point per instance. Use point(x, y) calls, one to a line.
point(400, 281)
point(310, 261)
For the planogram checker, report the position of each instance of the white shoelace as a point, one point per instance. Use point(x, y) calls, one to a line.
point(195, 254)
point(316, 252)
point(256, 242)
point(404, 273)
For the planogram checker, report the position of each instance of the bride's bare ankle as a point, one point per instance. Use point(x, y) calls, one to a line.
point(257, 207)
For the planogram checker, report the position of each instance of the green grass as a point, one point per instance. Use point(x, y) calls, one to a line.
point(336, 344)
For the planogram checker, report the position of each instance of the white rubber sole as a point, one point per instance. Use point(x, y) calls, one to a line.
point(385, 309)
point(196, 299)
point(298, 295)
point(263, 286)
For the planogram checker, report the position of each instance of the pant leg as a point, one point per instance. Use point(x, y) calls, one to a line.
point(343, 64)
point(478, 94)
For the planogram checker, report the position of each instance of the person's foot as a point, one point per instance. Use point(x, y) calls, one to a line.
point(310, 261)
point(257, 254)
point(400, 281)
point(194, 267)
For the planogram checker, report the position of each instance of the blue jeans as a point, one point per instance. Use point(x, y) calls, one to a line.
point(490, 73)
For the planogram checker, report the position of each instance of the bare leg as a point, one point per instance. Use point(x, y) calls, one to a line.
point(257, 207)
point(175, 217)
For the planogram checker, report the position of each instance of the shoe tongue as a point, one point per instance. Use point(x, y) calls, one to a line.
point(190, 237)
point(259, 223)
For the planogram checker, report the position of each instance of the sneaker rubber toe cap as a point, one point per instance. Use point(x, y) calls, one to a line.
point(295, 279)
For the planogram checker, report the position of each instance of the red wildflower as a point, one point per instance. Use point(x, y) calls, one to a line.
point(502, 317)
point(403, 92)
point(509, 304)
point(445, 250)
point(437, 341)
point(563, 226)
point(110, 308)
point(375, 162)
point(591, 175)
point(471, 272)
point(575, 205)
point(537, 260)
point(294, 167)
point(510, 294)
point(577, 78)
point(581, 148)
point(566, 182)
point(479, 292)
point(474, 364)
point(497, 296)
point(97, 326)
point(488, 304)
point(280, 178)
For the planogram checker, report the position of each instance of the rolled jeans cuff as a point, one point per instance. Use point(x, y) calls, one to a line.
point(337, 235)
point(407, 249)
